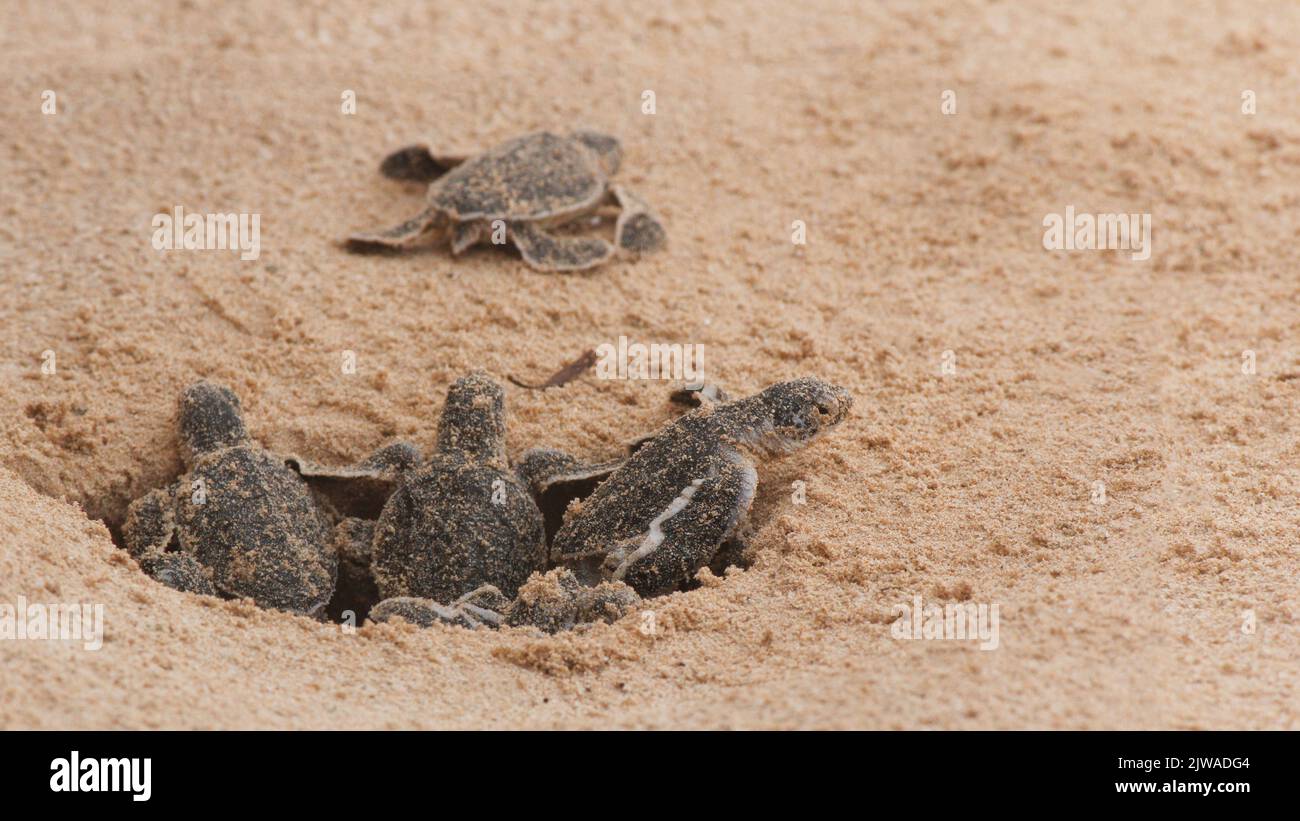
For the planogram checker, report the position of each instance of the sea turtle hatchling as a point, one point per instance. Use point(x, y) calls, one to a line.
point(481, 607)
point(549, 602)
point(461, 519)
point(241, 522)
point(462, 540)
point(665, 512)
point(527, 186)
point(557, 478)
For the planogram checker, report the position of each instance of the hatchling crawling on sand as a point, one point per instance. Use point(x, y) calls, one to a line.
point(241, 523)
point(528, 186)
point(665, 512)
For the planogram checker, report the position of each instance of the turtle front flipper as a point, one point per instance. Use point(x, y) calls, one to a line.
point(149, 532)
point(544, 469)
point(355, 593)
point(150, 525)
point(179, 571)
point(483, 605)
point(417, 163)
point(480, 607)
point(544, 251)
point(698, 395)
point(399, 236)
point(556, 479)
point(387, 462)
point(638, 230)
point(687, 534)
point(690, 395)
point(416, 610)
point(359, 489)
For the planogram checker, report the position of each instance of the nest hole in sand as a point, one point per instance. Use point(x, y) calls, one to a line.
point(355, 592)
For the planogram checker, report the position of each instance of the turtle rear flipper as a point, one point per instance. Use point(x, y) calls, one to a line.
point(399, 236)
point(544, 251)
point(417, 163)
point(465, 236)
point(484, 605)
point(638, 230)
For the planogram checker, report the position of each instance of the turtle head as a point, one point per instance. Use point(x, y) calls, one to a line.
point(210, 419)
point(608, 149)
point(788, 415)
point(473, 422)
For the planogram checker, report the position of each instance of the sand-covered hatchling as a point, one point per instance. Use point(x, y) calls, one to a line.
point(665, 512)
point(461, 540)
point(520, 191)
point(481, 607)
point(550, 602)
point(239, 522)
point(557, 478)
point(557, 601)
point(461, 519)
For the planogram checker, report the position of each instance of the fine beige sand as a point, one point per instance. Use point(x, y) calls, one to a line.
point(1174, 604)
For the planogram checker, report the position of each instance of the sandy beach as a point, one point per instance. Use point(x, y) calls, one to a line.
point(1100, 448)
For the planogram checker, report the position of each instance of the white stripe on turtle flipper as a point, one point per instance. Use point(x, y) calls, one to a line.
point(655, 535)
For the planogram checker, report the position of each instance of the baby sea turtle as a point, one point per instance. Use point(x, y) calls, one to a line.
point(525, 186)
point(558, 601)
point(462, 536)
point(482, 607)
point(241, 522)
point(665, 512)
point(550, 602)
point(462, 519)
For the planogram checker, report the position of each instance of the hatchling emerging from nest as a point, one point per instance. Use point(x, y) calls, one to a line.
point(525, 187)
point(460, 533)
point(684, 492)
point(461, 540)
point(241, 523)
